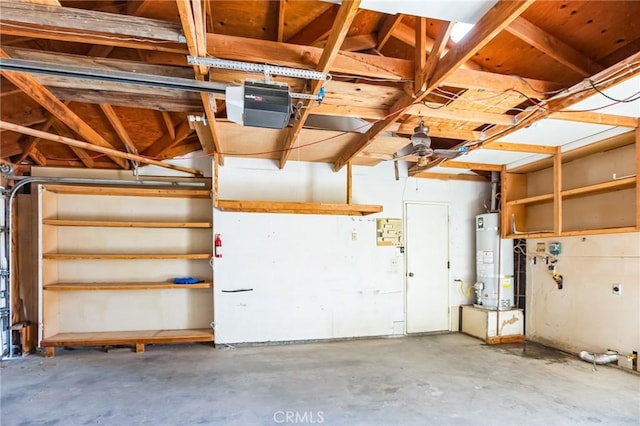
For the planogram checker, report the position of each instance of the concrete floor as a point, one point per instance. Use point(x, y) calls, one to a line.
point(440, 379)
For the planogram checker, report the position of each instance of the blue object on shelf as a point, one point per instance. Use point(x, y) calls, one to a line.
point(186, 280)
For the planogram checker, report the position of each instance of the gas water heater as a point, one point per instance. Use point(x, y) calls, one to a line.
point(494, 265)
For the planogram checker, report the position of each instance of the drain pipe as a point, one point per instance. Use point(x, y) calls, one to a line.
point(22, 181)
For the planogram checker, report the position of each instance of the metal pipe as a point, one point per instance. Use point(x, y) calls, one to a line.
point(494, 191)
point(22, 181)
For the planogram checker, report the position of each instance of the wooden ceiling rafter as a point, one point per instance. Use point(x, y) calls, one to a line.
point(386, 30)
point(318, 29)
point(47, 100)
point(168, 122)
point(282, 5)
point(596, 118)
point(82, 155)
point(406, 34)
point(346, 13)
point(83, 26)
point(439, 46)
point(553, 47)
point(158, 148)
point(193, 24)
point(116, 124)
point(494, 21)
point(84, 145)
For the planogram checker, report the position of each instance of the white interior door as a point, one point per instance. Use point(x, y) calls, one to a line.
point(427, 268)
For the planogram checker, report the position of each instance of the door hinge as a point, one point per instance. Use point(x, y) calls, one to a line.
point(448, 264)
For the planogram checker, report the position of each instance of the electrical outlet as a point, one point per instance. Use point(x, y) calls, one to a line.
point(354, 236)
point(616, 289)
point(541, 247)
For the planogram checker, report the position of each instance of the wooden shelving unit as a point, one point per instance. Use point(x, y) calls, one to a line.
point(125, 224)
point(297, 208)
point(253, 206)
point(124, 256)
point(124, 286)
point(107, 259)
point(583, 196)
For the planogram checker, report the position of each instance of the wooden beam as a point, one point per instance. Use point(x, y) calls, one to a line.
point(596, 118)
point(280, 24)
point(47, 100)
point(31, 145)
point(611, 76)
point(318, 29)
point(554, 47)
point(557, 191)
point(81, 153)
point(306, 57)
point(439, 46)
point(166, 117)
point(88, 26)
point(420, 54)
point(349, 182)
point(115, 122)
point(638, 178)
point(488, 27)
point(471, 166)
point(346, 13)
point(459, 115)
point(84, 145)
point(200, 32)
point(195, 46)
point(27, 118)
point(450, 176)
point(388, 26)
point(405, 34)
point(354, 43)
point(361, 64)
point(159, 147)
point(520, 147)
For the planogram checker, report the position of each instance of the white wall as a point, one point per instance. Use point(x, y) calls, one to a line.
point(309, 279)
point(585, 314)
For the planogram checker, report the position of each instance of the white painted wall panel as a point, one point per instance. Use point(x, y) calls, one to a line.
point(585, 314)
point(310, 280)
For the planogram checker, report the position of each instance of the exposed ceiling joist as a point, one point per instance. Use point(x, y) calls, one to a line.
point(552, 46)
point(192, 20)
point(158, 148)
point(282, 5)
point(596, 118)
point(520, 147)
point(82, 155)
point(471, 166)
point(439, 46)
point(491, 24)
point(494, 21)
point(388, 26)
point(346, 13)
point(92, 147)
point(87, 26)
point(450, 176)
point(122, 133)
point(406, 34)
point(318, 29)
point(52, 104)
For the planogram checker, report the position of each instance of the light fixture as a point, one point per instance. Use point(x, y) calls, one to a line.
point(421, 141)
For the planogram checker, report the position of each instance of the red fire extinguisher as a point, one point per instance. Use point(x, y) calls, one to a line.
point(217, 246)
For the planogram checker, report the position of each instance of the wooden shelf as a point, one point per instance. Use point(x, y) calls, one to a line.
point(110, 338)
point(536, 199)
point(619, 230)
point(125, 286)
point(598, 188)
point(131, 191)
point(297, 208)
point(125, 224)
point(123, 256)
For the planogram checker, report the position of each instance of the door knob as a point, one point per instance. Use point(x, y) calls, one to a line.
point(410, 274)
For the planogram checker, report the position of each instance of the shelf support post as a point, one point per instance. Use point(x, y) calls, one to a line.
point(638, 178)
point(557, 191)
point(349, 181)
